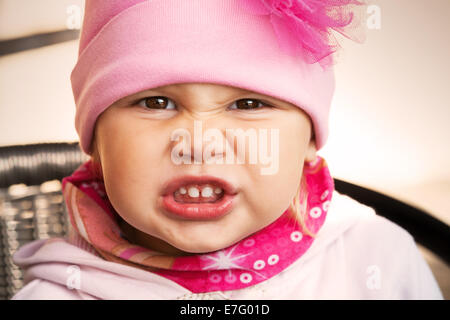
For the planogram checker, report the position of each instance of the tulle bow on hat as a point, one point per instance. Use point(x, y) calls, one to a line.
point(304, 26)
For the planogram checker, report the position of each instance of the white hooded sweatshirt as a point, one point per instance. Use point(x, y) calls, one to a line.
point(357, 254)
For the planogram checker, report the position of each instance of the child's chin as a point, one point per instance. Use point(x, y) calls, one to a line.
point(205, 247)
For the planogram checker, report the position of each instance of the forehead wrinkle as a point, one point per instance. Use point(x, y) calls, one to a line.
point(216, 94)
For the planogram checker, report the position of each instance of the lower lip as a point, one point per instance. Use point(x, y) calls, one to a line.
point(199, 211)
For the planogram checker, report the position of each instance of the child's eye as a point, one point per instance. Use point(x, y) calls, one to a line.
point(249, 104)
point(164, 103)
point(157, 102)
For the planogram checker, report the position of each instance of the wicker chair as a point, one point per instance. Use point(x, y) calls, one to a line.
point(32, 206)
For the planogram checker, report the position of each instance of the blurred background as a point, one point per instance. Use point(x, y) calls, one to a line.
point(389, 124)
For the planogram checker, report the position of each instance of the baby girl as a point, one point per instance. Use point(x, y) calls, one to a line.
point(203, 119)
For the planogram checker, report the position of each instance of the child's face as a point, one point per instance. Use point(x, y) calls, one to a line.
point(134, 144)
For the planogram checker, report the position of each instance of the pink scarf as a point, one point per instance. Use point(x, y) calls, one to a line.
point(255, 258)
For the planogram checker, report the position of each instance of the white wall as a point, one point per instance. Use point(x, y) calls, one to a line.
point(389, 122)
point(390, 118)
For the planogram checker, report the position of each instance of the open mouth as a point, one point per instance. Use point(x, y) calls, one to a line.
point(203, 197)
point(198, 193)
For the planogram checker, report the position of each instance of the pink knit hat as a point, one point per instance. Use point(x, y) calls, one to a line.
point(280, 48)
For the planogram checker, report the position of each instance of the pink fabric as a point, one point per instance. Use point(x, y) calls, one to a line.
point(303, 26)
point(256, 258)
point(129, 46)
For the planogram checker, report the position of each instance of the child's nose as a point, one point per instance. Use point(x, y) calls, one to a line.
point(202, 111)
point(199, 141)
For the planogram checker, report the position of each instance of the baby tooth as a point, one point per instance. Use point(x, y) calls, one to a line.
point(193, 192)
point(207, 192)
point(218, 190)
point(183, 190)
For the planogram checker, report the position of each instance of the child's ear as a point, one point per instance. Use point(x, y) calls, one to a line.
point(311, 151)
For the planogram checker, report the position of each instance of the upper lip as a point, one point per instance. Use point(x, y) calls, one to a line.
point(174, 184)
